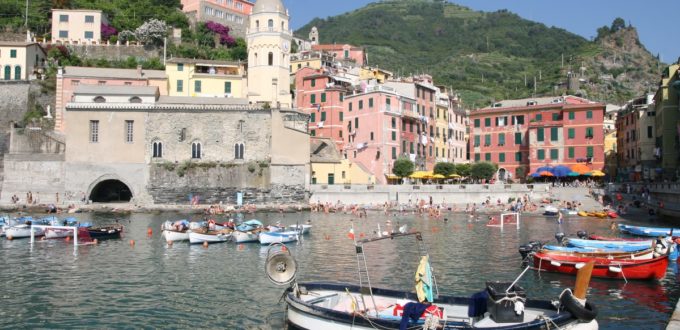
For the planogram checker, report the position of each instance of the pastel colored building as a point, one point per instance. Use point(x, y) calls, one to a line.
point(21, 60)
point(269, 40)
point(231, 13)
point(380, 75)
point(309, 59)
point(70, 77)
point(667, 123)
point(343, 52)
point(206, 78)
point(374, 129)
point(77, 26)
point(329, 167)
point(321, 96)
point(636, 140)
point(523, 135)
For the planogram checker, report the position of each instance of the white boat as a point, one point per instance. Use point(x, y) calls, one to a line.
point(58, 233)
point(305, 229)
point(569, 212)
point(278, 237)
point(246, 236)
point(209, 237)
point(275, 228)
point(175, 236)
point(22, 231)
point(550, 210)
point(503, 305)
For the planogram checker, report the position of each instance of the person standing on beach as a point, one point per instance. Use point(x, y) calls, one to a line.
point(560, 217)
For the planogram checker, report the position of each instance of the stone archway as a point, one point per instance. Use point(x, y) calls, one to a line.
point(110, 189)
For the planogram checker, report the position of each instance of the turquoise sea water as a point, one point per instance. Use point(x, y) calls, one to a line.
point(153, 285)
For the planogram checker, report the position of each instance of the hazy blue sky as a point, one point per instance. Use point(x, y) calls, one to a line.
point(656, 21)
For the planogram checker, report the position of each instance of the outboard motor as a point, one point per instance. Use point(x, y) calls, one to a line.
point(582, 234)
point(532, 246)
point(559, 237)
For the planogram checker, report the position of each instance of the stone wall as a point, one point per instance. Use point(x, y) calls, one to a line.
point(115, 52)
point(42, 174)
point(459, 194)
point(171, 183)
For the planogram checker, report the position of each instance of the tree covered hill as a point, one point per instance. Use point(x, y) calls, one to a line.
point(489, 56)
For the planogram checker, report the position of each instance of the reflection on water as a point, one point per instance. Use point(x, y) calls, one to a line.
point(155, 285)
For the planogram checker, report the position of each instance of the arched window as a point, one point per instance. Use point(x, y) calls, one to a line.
point(271, 59)
point(17, 73)
point(257, 25)
point(196, 150)
point(270, 24)
point(99, 99)
point(135, 99)
point(238, 151)
point(283, 26)
point(255, 59)
point(8, 72)
point(157, 149)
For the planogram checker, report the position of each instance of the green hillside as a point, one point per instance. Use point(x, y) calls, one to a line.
point(485, 56)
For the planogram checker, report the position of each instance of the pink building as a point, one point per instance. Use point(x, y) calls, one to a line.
point(375, 129)
point(231, 13)
point(523, 135)
point(344, 52)
point(71, 76)
point(321, 95)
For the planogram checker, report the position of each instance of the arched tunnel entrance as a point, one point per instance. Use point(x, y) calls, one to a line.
point(110, 191)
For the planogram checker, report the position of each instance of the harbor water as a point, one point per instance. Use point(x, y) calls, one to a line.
point(153, 285)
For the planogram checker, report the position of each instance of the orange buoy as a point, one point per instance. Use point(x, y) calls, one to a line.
point(362, 235)
point(283, 248)
point(327, 237)
point(149, 232)
point(205, 245)
point(68, 238)
point(132, 242)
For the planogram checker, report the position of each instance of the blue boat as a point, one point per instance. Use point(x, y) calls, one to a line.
point(620, 245)
point(648, 231)
point(594, 249)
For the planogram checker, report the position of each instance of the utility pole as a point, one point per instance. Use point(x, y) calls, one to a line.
point(26, 22)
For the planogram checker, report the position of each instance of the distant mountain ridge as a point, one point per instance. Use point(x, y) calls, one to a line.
point(489, 56)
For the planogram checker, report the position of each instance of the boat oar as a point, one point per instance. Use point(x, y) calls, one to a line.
point(583, 280)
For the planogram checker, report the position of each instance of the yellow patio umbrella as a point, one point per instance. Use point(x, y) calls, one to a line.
point(392, 177)
point(418, 175)
point(597, 173)
point(438, 176)
point(454, 176)
point(429, 174)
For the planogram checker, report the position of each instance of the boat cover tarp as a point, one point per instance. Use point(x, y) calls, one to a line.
point(249, 225)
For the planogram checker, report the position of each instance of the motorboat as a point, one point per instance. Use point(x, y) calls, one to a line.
point(626, 269)
point(502, 305)
point(648, 231)
point(105, 232)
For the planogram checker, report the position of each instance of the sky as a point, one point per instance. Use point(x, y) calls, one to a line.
point(658, 32)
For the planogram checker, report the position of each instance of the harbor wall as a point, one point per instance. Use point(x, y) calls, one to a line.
point(403, 194)
point(41, 174)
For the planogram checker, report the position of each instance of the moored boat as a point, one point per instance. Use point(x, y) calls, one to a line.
point(278, 237)
point(218, 236)
point(345, 306)
point(248, 231)
point(550, 210)
point(105, 232)
point(628, 269)
point(599, 253)
point(176, 231)
point(304, 229)
point(648, 231)
point(577, 242)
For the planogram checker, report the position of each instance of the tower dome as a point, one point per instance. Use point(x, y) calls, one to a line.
point(263, 6)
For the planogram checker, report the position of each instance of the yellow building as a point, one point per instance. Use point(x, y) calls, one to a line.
point(610, 152)
point(328, 167)
point(367, 73)
point(20, 60)
point(206, 78)
point(441, 129)
point(305, 60)
point(78, 26)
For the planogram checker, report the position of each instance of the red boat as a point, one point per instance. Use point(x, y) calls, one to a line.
point(628, 269)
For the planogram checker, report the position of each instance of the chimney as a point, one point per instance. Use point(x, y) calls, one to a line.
point(139, 71)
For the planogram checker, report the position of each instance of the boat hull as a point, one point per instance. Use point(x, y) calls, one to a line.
point(176, 236)
point(278, 237)
point(105, 232)
point(649, 269)
point(245, 237)
point(23, 231)
point(305, 228)
point(53, 233)
point(198, 238)
point(305, 314)
point(648, 231)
